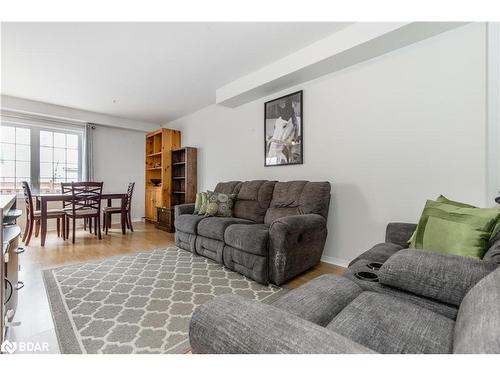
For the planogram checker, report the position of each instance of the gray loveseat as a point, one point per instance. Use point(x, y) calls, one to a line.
point(278, 229)
point(422, 302)
point(426, 303)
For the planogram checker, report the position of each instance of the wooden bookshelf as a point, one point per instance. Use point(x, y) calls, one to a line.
point(158, 165)
point(184, 175)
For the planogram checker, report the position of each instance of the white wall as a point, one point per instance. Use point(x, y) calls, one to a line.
point(118, 160)
point(388, 134)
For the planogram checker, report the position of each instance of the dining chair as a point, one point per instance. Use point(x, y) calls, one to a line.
point(86, 204)
point(109, 211)
point(33, 216)
point(68, 206)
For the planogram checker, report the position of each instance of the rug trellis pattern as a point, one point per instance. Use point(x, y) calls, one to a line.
point(140, 303)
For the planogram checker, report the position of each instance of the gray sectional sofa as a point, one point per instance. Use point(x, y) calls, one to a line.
point(278, 229)
point(421, 302)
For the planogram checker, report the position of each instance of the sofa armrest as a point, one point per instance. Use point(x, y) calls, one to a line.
point(231, 324)
point(399, 233)
point(493, 253)
point(184, 209)
point(295, 244)
point(443, 277)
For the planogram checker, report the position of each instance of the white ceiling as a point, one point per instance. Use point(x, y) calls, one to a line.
point(155, 71)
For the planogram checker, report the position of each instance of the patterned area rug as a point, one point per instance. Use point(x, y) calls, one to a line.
point(140, 303)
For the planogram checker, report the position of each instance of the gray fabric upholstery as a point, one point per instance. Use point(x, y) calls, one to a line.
point(185, 241)
point(250, 238)
point(188, 223)
point(248, 264)
point(298, 197)
point(477, 329)
point(443, 277)
point(234, 325)
point(387, 324)
point(320, 300)
point(378, 253)
point(399, 233)
point(253, 200)
point(209, 248)
point(230, 187)
point(438, 307)
point(277, 231)
point(493, 253)
point(183, 209)
point(215, 227)
point(295, 244)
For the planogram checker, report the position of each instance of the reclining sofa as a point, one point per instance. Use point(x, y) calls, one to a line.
point(278, 229)
point(419, 302)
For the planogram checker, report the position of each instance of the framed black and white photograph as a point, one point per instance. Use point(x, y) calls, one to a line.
point(283, 124)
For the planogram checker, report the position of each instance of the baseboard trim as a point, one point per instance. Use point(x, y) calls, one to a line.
point(335, 261)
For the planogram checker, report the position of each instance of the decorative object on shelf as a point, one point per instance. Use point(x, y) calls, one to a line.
point(283, 130)
point(159, 169)
point(156, 181)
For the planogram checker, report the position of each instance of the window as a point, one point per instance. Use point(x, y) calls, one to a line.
point(59, 159)
point(43, 156)
point(15, 157)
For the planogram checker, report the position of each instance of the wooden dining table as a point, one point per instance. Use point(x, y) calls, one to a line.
point(43, 198)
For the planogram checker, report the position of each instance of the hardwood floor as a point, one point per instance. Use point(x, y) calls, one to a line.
point(33, 309)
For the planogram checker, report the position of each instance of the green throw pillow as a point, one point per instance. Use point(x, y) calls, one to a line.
point(197, 203)
point(220, 204)
point(441, 199)
point(203, 204)
point(447, 228)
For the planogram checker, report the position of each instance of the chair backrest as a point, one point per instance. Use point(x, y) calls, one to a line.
point(477, 328)
point(28, 200)
point(66, 189)
point(86, 196)
point(130, 192)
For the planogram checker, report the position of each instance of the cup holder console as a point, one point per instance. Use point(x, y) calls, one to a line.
point(366, 276)
point(374, 266)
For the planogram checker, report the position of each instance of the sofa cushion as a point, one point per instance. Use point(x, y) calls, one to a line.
point(250, 238)
point(388, 324)
point(378, 253)
point(442, 277)
point(214, 227)
point(450, 311)
point(187, 223)
point(319, 300)
point(477, 329)
point(253, 200)
point(230, 187)
point(298, 197)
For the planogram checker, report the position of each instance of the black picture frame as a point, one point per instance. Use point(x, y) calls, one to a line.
point(288, 147)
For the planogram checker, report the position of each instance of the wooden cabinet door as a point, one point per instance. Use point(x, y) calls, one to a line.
point(153, 200)
point(149, 204)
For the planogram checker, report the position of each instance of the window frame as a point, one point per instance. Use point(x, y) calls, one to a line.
point(35, 148)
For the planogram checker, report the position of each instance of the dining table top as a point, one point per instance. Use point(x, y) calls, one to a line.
point(61, 196)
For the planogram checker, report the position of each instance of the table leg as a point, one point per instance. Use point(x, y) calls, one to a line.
point(109, 202)
point(43, 222)
point(122, 214)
